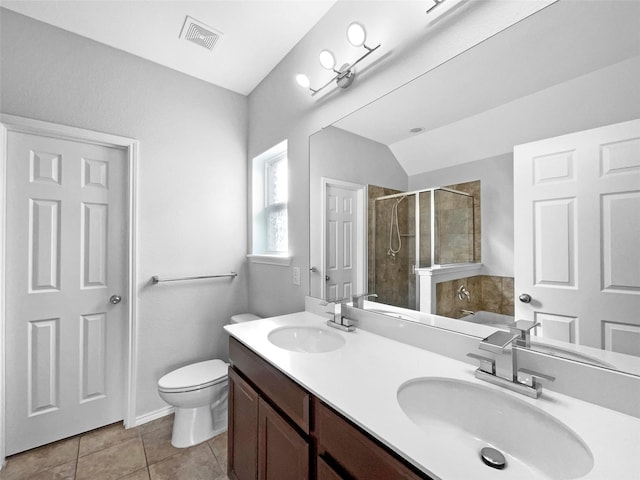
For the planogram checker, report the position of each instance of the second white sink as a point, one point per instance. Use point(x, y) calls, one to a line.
point(306, 339)
point(466, 417)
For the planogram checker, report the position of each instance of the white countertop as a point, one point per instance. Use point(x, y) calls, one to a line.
point(361, 380)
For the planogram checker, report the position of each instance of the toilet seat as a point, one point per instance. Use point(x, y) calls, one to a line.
point(194, 377)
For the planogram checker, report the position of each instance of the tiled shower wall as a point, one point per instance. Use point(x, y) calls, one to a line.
point(488, 293)
point(389, 276)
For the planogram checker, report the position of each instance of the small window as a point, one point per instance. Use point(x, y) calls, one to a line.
point(276, 186)
point(270, 201)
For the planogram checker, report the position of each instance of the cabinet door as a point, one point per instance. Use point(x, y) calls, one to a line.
point(291, 399)
point(283, 452)
point(243, 429)
point(325, 472)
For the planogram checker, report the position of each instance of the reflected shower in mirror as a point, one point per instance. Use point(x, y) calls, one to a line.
point(572, 67)
point(408, 235)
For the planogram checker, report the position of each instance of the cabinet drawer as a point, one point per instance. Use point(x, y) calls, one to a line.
point(289, 397)
point(353, 451)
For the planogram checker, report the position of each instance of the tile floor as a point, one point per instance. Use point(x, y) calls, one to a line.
point(113, 453)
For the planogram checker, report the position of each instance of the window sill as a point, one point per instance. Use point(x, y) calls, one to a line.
point(280, 260)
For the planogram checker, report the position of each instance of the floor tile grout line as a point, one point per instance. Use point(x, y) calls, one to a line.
point(208, 442)
point(75, 471)
point(141, 438)
point(144, 450)
point(43, 468)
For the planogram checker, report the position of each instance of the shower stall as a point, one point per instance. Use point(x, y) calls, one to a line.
point(417, 230)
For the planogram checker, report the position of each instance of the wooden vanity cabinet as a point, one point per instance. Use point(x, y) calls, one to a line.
point(271, 436)
point(268, 421)
point(243, 429)
point(344, 451)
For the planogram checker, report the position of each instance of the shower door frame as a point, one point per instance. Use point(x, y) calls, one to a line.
point(432, 232)
point(417, 219)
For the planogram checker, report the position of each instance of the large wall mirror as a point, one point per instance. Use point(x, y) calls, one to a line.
point(412, 196)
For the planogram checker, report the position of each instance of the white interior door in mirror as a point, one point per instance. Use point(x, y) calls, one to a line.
point(344, 239)
point(66, 256)
point(577, 230)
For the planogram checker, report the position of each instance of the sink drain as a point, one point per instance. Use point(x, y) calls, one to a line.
point(492, 457)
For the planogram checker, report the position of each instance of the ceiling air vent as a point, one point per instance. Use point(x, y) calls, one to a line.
point(199, 33)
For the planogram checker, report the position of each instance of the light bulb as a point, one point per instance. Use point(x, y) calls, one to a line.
point(303, 80)
point(356, 34)
point(327, 60)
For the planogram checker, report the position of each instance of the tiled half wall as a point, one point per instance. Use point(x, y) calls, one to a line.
point(488, 293)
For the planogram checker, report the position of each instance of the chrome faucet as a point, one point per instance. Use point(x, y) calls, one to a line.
point(502, 368)
point(463, 293)
point(336, 315)
point(358, 300)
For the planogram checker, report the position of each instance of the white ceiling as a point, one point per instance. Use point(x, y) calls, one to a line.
point(257, 34)
point(473, 105)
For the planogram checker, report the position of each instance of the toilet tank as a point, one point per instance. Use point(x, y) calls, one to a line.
point(244, 317)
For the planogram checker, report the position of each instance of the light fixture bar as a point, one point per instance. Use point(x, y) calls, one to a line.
point(436, 4)
point(346, 71)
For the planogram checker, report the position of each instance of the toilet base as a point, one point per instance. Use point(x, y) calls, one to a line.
point(192, 426)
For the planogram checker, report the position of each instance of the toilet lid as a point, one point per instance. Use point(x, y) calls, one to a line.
point(195, 375)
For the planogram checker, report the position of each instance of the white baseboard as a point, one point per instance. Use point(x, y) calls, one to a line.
point(148, 417)
point(219, 431)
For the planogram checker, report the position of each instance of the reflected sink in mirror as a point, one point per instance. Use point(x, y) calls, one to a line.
point(569, 354)
point(306, 339)
point(471, 417)
point(392, 313)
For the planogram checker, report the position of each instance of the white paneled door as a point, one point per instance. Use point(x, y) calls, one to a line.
point(66, 277)
point(577, 236)
point(341, 262)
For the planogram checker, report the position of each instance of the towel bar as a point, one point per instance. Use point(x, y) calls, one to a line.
point(157, 280)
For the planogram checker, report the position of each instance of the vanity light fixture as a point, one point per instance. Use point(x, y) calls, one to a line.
point(436, 4)
point(356, 35)
point(327, 60)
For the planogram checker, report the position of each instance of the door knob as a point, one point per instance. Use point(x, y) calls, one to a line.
point(327, 278)
point(525, 298)
point(115, 299)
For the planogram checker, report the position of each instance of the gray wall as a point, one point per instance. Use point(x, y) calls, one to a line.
point(280, 109)
point(191, 179)
point(341, 155)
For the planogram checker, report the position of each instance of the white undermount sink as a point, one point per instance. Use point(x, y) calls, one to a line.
point(306, 339)
point(466, 417)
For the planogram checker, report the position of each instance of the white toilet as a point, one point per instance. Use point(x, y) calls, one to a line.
point(199, 394)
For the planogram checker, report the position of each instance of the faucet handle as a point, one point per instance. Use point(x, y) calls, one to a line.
point(497, 342)
point(487, 364)
point(522, 329)
point(524, 326)
point(530, 377)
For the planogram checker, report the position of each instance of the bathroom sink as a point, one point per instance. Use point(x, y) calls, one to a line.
point(306, 339)
point(466, 417)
